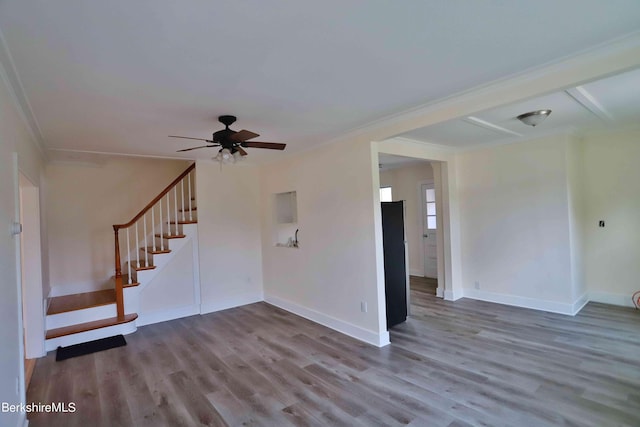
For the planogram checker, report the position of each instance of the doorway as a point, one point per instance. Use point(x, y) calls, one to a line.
point(33, 324)
point(412, 180)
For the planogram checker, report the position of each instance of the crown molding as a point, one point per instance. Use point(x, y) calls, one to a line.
point(9, 75)
point(117, 154)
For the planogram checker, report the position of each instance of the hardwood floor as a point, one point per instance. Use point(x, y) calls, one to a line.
point(451, 364)
point(423, 284)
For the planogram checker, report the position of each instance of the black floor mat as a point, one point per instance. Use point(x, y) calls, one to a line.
point(89, 347)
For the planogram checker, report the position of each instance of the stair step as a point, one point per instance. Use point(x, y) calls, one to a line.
point(125, 281)
point(193, 208)
point(90, 326)
point(156, 251)
point(141, 265)
point(173, 236)
point(186, 221)
point(66, 303)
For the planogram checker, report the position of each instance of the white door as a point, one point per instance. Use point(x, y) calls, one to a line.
point(429, 231)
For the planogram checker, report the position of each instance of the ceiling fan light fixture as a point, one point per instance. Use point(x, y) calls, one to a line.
point(225, 156)
point(534, 118)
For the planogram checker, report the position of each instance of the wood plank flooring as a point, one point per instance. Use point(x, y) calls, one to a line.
point(451, 364)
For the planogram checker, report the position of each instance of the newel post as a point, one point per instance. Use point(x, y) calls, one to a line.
point(119, 292)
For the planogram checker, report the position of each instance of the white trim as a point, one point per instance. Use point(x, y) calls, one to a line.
point(579, 304)
point(231, 302)
point(165, 315)
point(610, 298)
point(415, 272)
point(450, 295)
point(95, 334)
point(117, 154)
point(75, 317)
point(377, 339)
point(22, 392)
point(9, 74)
point(524, 302)
point(475, 121)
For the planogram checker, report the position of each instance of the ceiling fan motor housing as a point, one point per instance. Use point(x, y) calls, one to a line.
point(227, 120)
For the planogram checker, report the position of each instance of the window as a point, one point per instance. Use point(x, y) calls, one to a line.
point(385, 194)
point(431, 208)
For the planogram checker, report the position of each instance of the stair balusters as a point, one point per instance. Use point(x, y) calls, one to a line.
point(142, 216)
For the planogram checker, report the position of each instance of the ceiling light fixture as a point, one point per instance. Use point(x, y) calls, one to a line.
point(534, 118)
point(225, 156)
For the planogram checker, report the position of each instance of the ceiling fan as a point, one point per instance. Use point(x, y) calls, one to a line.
point(231, 143)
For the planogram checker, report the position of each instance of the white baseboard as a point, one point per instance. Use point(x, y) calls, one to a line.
point(370, 337)
point(230, 302)
point(579, 304)
point(613, 299)
point(451, 295)
point(518, 301)
point(414, 272)
point(164, 315)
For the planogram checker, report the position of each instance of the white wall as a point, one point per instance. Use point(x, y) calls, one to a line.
point(83, 202)
point(173, 292)
point(612, 193)
point(334, 269)
point(405, 184)
point(575, 188)
point(14, 138)
point(228, 201)
point(515, 224)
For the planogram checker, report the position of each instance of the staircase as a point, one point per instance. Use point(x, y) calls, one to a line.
point(143, 246)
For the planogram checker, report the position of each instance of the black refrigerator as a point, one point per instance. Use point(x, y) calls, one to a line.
point(395, 268)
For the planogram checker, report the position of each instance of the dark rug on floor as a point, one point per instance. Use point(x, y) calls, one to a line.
point(64, 353)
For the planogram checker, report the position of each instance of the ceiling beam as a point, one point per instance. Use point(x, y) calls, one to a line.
point(589, 102)
point(488, 125)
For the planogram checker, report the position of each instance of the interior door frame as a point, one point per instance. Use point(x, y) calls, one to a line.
point(31, 267)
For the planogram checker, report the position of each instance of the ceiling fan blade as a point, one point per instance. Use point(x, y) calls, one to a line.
point(195, 148)
point(241, 151)
point(269, 145)
point(188, 137)
point(243, 135)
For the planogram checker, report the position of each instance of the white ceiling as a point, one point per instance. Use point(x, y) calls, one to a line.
point(610, 102)
point(119, 76)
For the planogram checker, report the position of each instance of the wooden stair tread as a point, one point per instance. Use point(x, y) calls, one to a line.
point(125, 281)
point(66, 303)
point(90, 326)
point(155, 251)
point(193, 208)
point(141, 265)
point(173, 236)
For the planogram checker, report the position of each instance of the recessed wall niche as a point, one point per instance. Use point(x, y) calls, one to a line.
point(285, 218)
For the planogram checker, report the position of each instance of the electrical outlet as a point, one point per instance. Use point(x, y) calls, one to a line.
point(363, 306)
point(477, 284)
point(601, 223)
